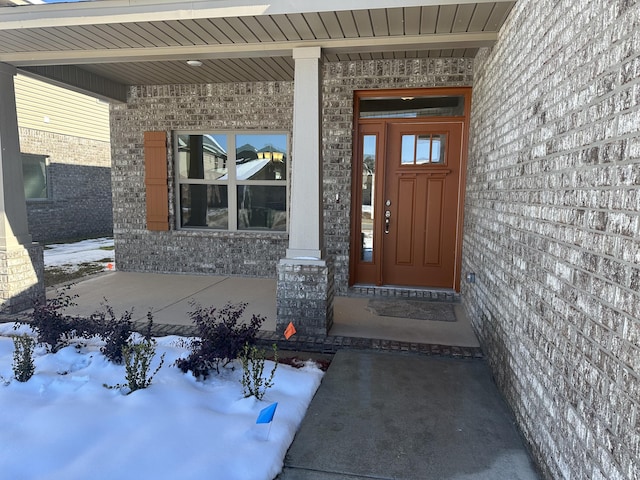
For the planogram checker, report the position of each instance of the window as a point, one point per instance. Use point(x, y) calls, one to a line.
point(423, 149)
point(369, 150)
point(34, 173)
point(232, 181)
point(412, 107)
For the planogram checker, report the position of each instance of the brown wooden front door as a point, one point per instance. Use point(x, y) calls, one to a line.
point(421, 186)
point(408, 187)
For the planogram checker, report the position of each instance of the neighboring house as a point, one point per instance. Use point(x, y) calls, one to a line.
point(66, 155)
point(501, 137)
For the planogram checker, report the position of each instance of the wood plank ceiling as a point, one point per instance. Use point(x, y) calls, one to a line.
point(262, 31)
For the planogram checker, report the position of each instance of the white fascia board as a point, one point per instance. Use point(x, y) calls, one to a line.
point(128, 11)
point(254, 50)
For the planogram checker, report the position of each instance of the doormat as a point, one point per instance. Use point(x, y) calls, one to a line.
point(415, 309)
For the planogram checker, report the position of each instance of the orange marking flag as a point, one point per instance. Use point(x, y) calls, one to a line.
point(289, 331)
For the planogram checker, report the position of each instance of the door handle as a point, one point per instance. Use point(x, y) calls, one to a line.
point(387, 221)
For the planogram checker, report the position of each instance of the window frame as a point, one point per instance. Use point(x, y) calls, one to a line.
point(232, 183)
point(47, 177)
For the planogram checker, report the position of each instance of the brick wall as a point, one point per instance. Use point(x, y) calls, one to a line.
point(205, 108)
point(551, 230)
point(22, 277)
point(79, 176)
point(238, 107)
point(305, 292)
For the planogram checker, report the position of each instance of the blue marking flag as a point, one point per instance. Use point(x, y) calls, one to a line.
point(266, 414)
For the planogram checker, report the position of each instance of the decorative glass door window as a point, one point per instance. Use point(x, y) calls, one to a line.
point(423, 149)
point(229, 181)
point(368, 196)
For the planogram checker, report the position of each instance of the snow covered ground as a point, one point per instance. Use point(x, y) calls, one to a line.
point(73, 254)
point(63, 424)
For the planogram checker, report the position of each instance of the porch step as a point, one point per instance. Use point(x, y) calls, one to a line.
point(330, 344)
point(434, 295)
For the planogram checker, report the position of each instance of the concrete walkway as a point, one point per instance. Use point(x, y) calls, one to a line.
point(407, 417)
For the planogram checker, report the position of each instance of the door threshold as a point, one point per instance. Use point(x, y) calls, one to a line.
point(422, 293)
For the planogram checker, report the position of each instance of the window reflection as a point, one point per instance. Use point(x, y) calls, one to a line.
point(204, 206)
point(261, 157)
point(368, 197)
point(423, 149)
point(202, 156)
point(34, 174)
point(262, 207)
point(412, 107)
point(408, 154)
point(232, 181)
point(438, 143)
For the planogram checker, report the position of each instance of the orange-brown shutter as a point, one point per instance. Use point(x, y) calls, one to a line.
point(155, 179)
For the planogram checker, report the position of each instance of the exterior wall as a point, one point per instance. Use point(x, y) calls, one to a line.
point(73, 131)
point(340, 80)
point(79, 176)
point(22, 277)
point(248, 106)
point(552, 223)
point(240, 107)
point(46, 107)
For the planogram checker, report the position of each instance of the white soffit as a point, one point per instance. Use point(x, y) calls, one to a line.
point(129, 11)
point(132, 42)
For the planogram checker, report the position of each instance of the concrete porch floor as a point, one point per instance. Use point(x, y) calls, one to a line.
point(169, 297)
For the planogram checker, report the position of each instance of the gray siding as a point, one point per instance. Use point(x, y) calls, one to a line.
point(551, 230)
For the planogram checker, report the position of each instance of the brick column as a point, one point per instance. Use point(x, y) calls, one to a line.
point(305, 277)
point(305, 296)
point(21, 261)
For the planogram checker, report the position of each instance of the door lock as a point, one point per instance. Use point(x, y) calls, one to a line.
point(387, 221)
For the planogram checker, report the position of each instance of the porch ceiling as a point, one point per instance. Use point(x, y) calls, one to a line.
point(131, 42)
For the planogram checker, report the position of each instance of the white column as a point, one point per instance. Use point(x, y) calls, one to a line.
point(14, 229)
point(305, 223)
